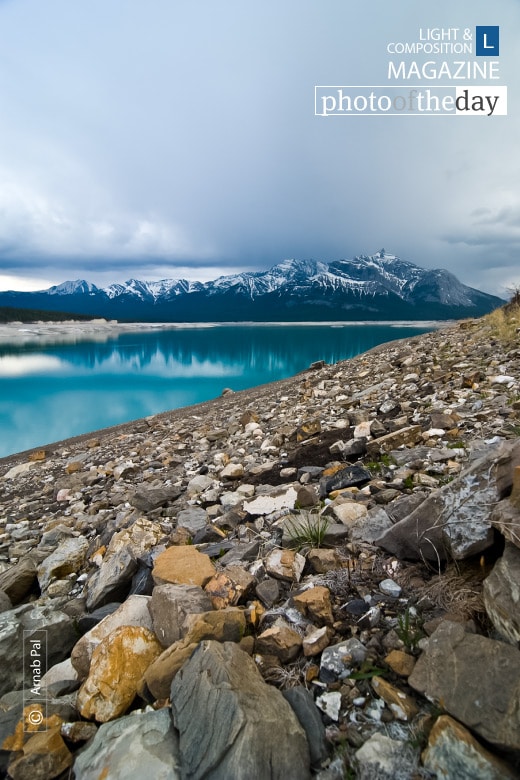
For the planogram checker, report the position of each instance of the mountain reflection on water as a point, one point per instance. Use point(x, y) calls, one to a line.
point(55, 391)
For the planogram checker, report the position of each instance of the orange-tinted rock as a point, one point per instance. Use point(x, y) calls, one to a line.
point(228, 587)
point(45, 756)
point(315, 604)
point(316, 641)
point(183, 566)
point(451, 746)
point(400, 662)
point(323, 560)
point(118, 665)
point(280, 641)
point(402, 706)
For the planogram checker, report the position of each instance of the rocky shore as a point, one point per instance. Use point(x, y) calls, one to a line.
point(314, 578)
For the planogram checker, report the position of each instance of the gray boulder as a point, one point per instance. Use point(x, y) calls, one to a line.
point(502, 595)
point(476, 680)
point(130, 748)
point(453, 522)
point(48, 632)
point(302, 702)
point(232, 725)
point(170, 606)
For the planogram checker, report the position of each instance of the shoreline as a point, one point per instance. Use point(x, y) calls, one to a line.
point(73, 331)
point(247, 396)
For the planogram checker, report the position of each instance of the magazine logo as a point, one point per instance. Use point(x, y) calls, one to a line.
point(406, 101)
point(487, 41)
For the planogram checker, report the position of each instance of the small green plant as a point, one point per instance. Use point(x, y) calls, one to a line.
point(409, 483)
point(367, 670)
point(307, 529)
point(381, 465)
point(409, 629)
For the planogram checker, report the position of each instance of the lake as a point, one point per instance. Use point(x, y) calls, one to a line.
point(50, 392)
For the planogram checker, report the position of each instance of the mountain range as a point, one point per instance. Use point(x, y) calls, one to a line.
point(375, 287)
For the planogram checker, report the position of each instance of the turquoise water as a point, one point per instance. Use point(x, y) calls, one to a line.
point(55, 391)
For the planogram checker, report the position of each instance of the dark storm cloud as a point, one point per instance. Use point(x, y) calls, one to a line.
point(178, 139)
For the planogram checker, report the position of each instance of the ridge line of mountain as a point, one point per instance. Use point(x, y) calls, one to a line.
point(375, 287)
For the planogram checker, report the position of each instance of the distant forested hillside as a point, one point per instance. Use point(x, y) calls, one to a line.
point(12, 314)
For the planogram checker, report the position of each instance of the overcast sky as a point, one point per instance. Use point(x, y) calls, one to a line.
point(178, 139)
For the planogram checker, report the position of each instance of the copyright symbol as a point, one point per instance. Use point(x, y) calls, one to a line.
point(35, 718)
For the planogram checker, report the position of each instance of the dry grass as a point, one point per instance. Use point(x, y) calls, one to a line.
point(457, 590)
point(505, 322)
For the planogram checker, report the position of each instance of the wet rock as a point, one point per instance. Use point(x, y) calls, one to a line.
point(136, 746)
point(502, 595)
point(118, 664)
point(221, 678)
point(480, 686)
point(183, 566)
point(453, 752)
point(170, 607)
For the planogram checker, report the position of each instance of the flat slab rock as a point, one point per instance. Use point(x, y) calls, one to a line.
point(476, 680)
point(453, 522)
point(231, 723)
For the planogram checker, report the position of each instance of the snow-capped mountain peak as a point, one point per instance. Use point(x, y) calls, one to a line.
point(378, 286)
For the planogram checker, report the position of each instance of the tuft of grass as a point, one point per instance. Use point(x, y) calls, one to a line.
point(307, 529)
point(410, 629)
